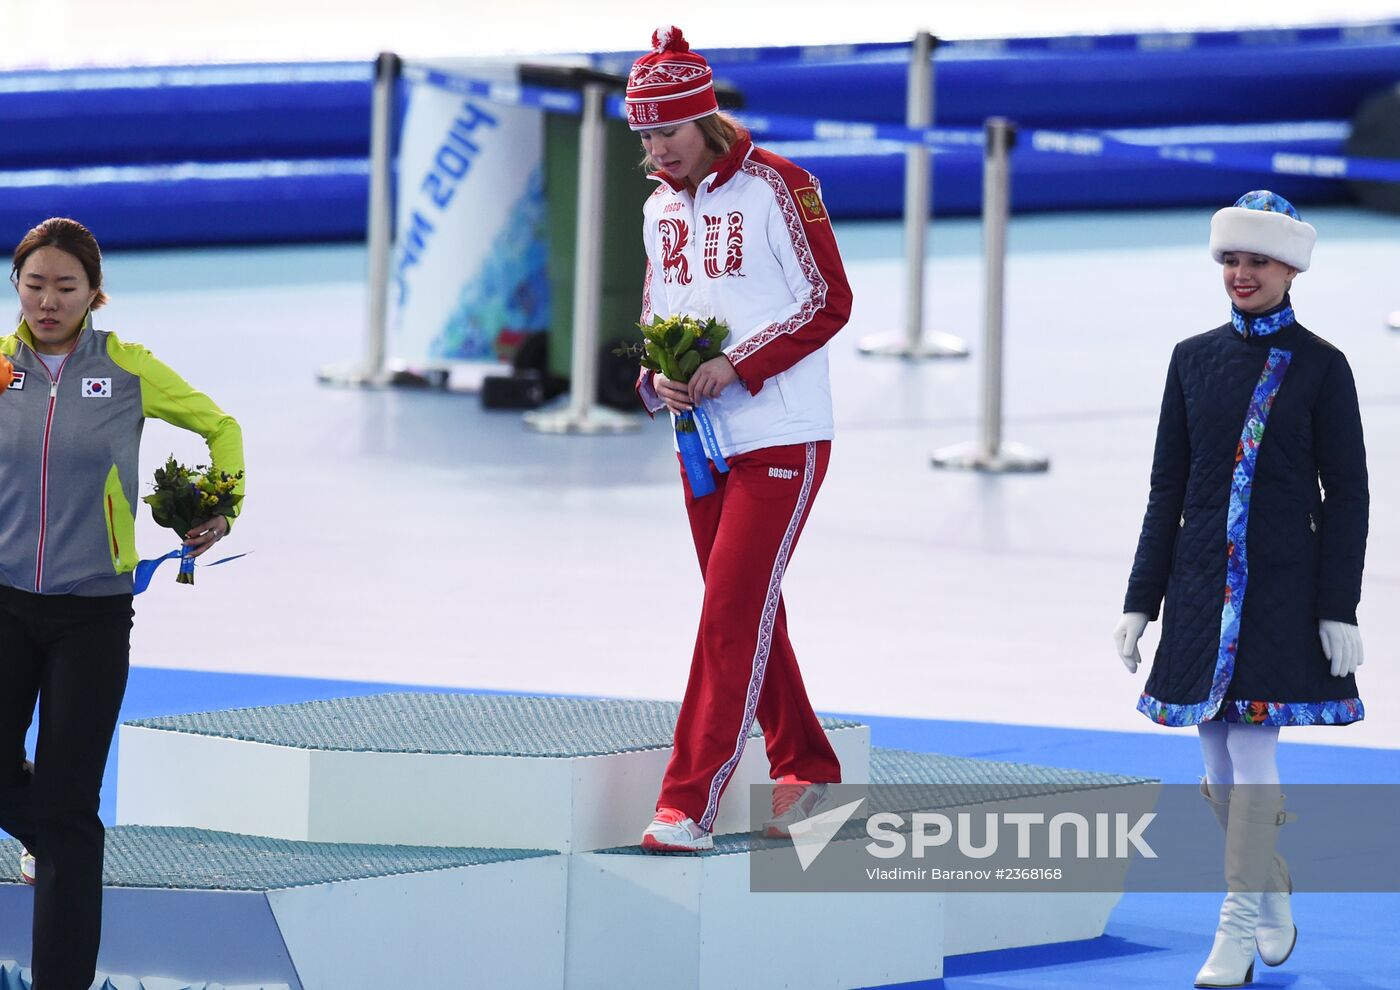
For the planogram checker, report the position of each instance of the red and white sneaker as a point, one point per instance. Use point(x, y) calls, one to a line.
point(26, 867)
point(674, 831)
point(793, 800)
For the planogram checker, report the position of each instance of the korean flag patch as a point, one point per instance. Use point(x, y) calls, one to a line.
point(97, 388)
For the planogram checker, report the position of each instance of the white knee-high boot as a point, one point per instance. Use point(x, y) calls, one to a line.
point(1251, 833)
point(1276, 934)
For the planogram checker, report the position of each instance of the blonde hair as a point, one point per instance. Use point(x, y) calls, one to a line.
point(721, 133)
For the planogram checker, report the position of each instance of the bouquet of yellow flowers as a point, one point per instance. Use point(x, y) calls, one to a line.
point(185, 497)
point(676, 346)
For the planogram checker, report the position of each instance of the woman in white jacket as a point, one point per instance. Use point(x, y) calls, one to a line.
point(739, 234)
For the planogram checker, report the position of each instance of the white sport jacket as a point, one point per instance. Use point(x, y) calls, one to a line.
point(754, 248)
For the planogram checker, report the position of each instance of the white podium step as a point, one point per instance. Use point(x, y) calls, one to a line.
point(977, 921)
point(694, 919)
point(697, 919)
point(982, 922)
point(428, 769)
point(187, 907)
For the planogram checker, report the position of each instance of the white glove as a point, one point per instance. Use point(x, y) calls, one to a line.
point(1129, 631)
point(1341, 643)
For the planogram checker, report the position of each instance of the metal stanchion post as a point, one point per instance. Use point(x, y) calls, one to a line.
point(989, 453)
point(583, 414)
point(380, 229)
point(918, 196)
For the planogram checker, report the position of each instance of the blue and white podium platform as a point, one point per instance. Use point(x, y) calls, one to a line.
point(695, 917)
point(981, 922)
point(444, 842)
point(195, 908)
point(428, 769)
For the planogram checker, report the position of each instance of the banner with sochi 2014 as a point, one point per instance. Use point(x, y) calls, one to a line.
point(470, 249)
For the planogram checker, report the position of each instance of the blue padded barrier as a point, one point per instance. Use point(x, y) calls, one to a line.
point(1113, 89)
point(278, 152)
point(861, 163)
point(1219, 41)
point(184, 113)
point(194, 203)
point(870, 184)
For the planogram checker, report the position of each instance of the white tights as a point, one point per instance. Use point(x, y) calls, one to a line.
point(1238, 753)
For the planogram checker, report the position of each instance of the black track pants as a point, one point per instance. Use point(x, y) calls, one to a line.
point(72, 654)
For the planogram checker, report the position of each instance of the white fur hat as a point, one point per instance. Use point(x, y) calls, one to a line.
point(1264, 223)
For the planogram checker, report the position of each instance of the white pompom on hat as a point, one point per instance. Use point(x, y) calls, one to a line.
point(1262, 222)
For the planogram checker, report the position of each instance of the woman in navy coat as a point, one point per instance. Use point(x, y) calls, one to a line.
point(1254, 538)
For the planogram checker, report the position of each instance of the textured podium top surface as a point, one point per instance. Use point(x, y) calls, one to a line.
point(461, 724)
point(198, 859)
point(904, 781)
point(900, 766)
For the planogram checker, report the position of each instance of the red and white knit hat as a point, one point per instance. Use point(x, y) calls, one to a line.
point(671, 85)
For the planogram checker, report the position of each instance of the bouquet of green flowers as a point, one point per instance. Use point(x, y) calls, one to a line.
point(676, 346)
point(185, 497)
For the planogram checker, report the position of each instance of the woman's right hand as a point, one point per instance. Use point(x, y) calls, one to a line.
point(674, 394)
point(1126, 636)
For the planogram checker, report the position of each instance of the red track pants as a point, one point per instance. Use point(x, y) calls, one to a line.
point(744, 666)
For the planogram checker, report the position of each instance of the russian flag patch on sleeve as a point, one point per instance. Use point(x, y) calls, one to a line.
point(811, 202)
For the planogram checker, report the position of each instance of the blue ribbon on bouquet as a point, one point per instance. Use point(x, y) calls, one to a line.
point(698, 446)
point(146, 569)
point(707, 433)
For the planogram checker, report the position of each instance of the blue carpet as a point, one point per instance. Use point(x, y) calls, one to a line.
point(1170, 755)
point(1153, 940)
point(1160, 940)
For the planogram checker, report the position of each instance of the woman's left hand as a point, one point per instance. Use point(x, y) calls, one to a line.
point(711, 378)
point(206, 534)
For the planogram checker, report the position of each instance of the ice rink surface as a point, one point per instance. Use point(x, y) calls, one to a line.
point(411, 537)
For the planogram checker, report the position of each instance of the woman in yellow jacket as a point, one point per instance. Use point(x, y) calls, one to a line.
point(70, 433)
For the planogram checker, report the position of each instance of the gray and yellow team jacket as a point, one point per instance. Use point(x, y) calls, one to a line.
point(69, 447)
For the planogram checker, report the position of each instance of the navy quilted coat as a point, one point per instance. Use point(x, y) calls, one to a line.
point(1238, 538)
